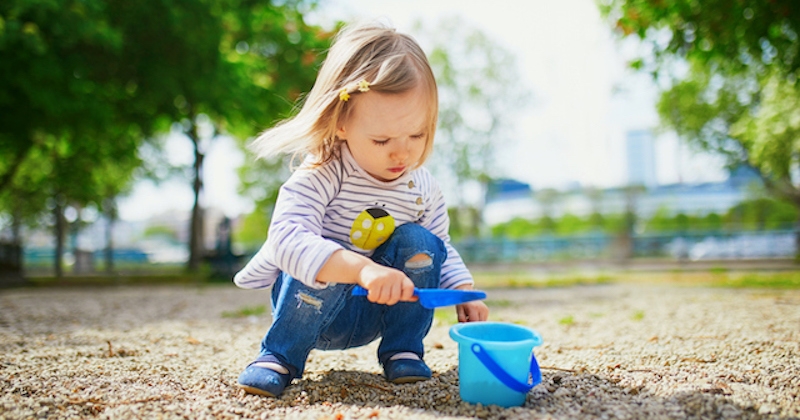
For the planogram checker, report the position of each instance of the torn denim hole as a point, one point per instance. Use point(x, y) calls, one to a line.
point(303, 297)
point(417, 262)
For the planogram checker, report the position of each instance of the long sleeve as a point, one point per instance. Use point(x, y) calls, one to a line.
point(295, 244)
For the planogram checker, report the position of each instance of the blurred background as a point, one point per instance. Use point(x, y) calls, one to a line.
point(570, 132)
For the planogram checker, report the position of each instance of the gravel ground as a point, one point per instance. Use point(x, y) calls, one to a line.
point(611, 351)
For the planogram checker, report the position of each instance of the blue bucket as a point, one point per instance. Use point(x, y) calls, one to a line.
point(496, 364)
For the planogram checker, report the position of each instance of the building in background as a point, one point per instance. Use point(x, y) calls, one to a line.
point(690, 199)
point(640, 155)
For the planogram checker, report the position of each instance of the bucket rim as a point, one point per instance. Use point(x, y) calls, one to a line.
point(457, 335)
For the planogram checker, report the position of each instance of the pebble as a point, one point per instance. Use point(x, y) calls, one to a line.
point(175, 352)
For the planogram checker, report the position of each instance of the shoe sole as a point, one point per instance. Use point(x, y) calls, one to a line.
point(409, 379)
point(256, 391)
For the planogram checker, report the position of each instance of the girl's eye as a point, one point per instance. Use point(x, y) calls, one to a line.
point(380, 142)
point(418, 136)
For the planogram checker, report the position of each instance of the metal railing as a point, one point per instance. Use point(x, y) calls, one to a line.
point(683, 245)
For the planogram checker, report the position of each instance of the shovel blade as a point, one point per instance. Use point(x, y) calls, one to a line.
point(434, 298)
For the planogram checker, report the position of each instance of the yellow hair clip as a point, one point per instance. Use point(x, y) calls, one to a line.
point(363, 86)
point(343, 95)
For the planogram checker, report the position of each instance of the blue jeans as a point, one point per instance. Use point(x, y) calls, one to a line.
point(333, 319)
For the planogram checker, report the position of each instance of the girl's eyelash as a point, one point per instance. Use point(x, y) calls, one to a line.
point(383, 142)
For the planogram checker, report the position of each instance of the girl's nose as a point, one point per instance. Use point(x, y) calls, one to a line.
point(401, 152)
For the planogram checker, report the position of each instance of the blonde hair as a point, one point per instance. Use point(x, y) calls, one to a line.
point(389, 61)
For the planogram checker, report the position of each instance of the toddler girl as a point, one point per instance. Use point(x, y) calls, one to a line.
point(360, 209)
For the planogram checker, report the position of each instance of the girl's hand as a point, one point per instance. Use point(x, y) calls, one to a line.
point(386, 285)
point(472, 311)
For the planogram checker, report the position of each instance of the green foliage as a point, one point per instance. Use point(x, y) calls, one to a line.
point(305, 49)
point(662, 222)
point(160, 231)
point(772, 132)
point(755, 214)
point(59, 133)
point(762, 213)
point(251, 232)
point(83, 83)
point(740, 96)
point(570, 224)
point(736, 35)
point(516, 228)
point(567, 225)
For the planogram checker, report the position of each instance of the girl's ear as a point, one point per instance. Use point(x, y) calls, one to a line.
point(341, 133)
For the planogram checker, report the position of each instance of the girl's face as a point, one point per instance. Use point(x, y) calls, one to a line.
point(387, 133)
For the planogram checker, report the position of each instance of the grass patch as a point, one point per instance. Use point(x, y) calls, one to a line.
point(719, 270)
point(567, 320)
point(246, 311)
point(638, 316)
point(788, 280)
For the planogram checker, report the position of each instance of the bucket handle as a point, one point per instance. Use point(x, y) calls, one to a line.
point(534, 377)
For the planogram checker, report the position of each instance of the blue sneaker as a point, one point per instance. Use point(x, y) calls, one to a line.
point(263, 381)
point(404, 371)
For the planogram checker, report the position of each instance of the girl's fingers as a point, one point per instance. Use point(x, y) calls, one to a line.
point(462, 314)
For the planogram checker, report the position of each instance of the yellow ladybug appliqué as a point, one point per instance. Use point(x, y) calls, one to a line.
point(371, 228)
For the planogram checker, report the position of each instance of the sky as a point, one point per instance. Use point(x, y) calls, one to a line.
point(583, 101)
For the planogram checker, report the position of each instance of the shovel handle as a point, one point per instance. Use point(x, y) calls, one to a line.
point(359, 291)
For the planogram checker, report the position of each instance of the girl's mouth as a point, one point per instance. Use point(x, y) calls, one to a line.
point(398, 169)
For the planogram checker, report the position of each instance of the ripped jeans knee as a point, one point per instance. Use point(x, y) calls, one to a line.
point(420, 260)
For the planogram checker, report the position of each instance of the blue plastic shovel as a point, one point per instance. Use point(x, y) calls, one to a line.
point(434, 298)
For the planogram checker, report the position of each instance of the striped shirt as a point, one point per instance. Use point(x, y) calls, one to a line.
point(331, 207)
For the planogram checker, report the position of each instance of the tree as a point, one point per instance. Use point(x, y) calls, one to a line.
point(479, 92)
point(224, 67)
point(729, 77)
point(49, 86)
point(261, 179)
point(61, 138)
point(85, 82)
point(735, 35)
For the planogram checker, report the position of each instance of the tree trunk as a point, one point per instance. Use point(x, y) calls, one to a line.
point(16, 227)
point(110, 212)
point(58, 214)
point(196, 224)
